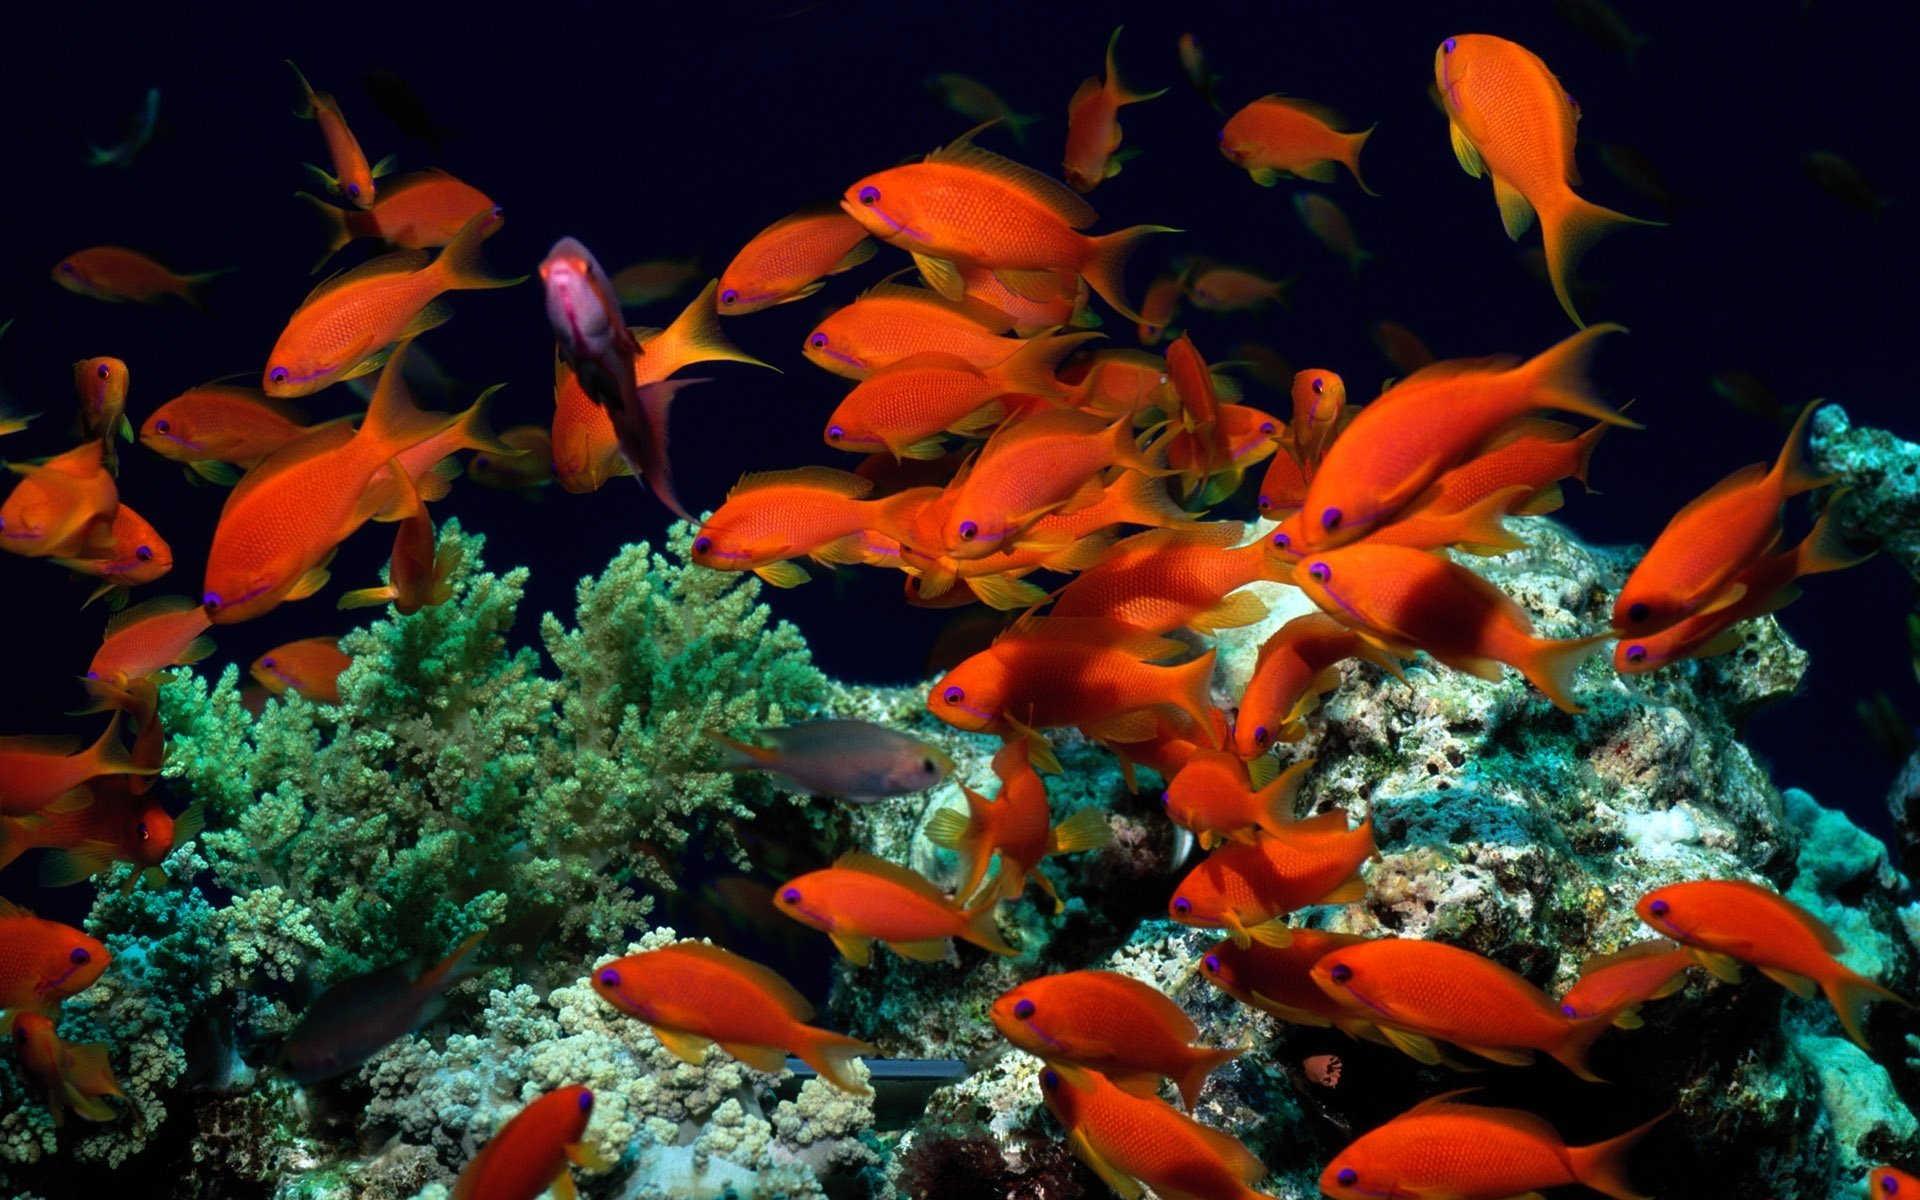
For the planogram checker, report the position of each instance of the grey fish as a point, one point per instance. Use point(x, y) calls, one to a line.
point(855, 760)
point(356, 1018)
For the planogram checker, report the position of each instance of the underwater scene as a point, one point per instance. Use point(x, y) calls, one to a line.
point(968, 602)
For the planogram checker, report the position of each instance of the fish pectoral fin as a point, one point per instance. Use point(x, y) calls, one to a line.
point(924, 950)
point(1236, 611)
point(1125, 1186)
point(325, 180)
point(1276, 933)
point(771, 1059)
point(1723, 967)
point(1350, 892)
point(1466, 151)
point(309, 583)
point(1416, 1046)
point(1136, 726)
point(1086, 829)
point(1630, 1019)
point(1320, 172)
point(855, 948)
point(1265, 176)
point(432, 316)
point(1515, 213)
point(1503, 1055)
point(1039, 286)
point(562, 1187)
point(1725, 599)
point(687, 1047)
point(584, 1156)
point(1799, 985)
point(940, 275)
point(785, 574)
point(384, 166)
point(1479, 668)
point(1005, 593)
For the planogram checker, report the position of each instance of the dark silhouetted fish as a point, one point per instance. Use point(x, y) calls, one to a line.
point(356, 1018)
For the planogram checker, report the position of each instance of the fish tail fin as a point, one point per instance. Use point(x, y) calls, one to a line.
point(1121, 95)
point(193, 288)
point(642, 431)
point(460, 265)
point(457, 965)
point(1029, 370)
point(961, 833)
point(830, 1054)
point(1144, 500)
point(1792, 469)
point(1567, 228)
point(1350, 156)
point(1571, 1052)
point(1603, 1165)
point(1583, 460)
point(111, 757)
point(981, 929)
point(334, 220)
point(736, 755)
point(1825, 547)
point(1850, 994)
point(475, 432)
point(1086, 829)
point(1276, 798)
point(1558, 377)
point(1105, 267)
point(695, 335)
point(1550, 665)
point(1200, 1064)
point(1191, 684)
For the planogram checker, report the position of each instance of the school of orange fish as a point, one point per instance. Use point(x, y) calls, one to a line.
point(1001, 443)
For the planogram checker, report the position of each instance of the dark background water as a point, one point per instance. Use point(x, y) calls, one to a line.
point(663, 134)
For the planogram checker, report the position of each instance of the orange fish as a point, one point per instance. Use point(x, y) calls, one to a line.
point(969, 206)
point(42, 963)
point(1249, 889)
point(587, 445)
point(1103, 1021)
point(417, 571)
point(890, 321)
point(1319, 414)
point(862, 899)
point(1433, 420)
point(692, 995)
point(1279, 137)
point(1093, 127)
point(117, 826)
point(1242, 436)
point(1098, 674)
point(1616, 985)
point(1039, 306)
point(1279, 979)
point(215, 427)
point(1159, 308)
point(1887, 1183)
point(144, 640)
point(1730, 921)
point(341, 328)
point(1042, 463)
point(1168, 579)
point(529, 1156)
point(1130, 1140)
point(76, 1077)
point(102, 384)
point(41, 772)
point(644, 283)
point(1230, 289)
point(282, 523)
point(310, 667)
point(1690, 568)
point(776, 516)
point(1539, 455)
point(1296, 665)
point(1017, 825)
point(785, 261)
point(414, 212)
point(1327, 223)
point(1421, 992)
point(1173, 743)
point(351, 177)
point(905, 406)
point(1769, 585)
point(1404, 600)
point(1442, 1150)
point(1283, 489)
point(63, 508)
point(1211, 796)
point(1114, 383)
point(530, 468)
point(1512, 121)
point(115, 273)
point(139, 555)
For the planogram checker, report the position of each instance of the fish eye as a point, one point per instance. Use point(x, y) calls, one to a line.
point(818, 341)
point(1212, 963)
point(1166, 798)
point(497, 212)
point(79, 955)
point(610, 977)
point(1448, 45)
point(835, 433)
point(353, 189)
point(1330, 519)
point(1050, 1079)
point(143, 553)
point(268, 663)
point(968, 531)
point(278, 375)
point(1658, 908)
point(1341, 972)
point(791, 895)
point(103, 371)
point(67, 267)
point(1281, 539)
point(1889, 1184)
point(586, 1101)
point(1023, 1009)
point(702, 544)
point(1221, 136)
point(162, 425)
point(1319, 385)
point(730, 296)
point(1569, 1010)
point(1348, 1176)
point(1182, 905)
point(1636, 653)
point(953, 695)
point(211, 600)
point(140, 828)
point(1266, 427)
point(481, 460)
point(869, 195)
point(1263, 504)
point(1320, 572)
point(1260, 735)
point(1637, 613)
point(927, 767)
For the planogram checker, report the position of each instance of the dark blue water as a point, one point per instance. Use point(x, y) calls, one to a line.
point(654, 135)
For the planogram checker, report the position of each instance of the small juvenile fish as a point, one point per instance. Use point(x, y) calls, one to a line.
point(217, 427)
point(356, 1018)
point(1617, 984)
point(1193, 61)
point(1211, 796)
point(1249, 889)
point(1279, 979)
point(786, 261)
point(1016, 824)
point(310, 667)
point(1327, 223)
point(43, 962)
point(531, 468)
point(862, 899)
point(140, 642)
point(351, 177)
point(115, 273)
point(529, 1155)
point(1160, 307)
point(1093, 128)
point(1126, 1138)
point(75, 1076)
point(37, 773)
point(138, 555)
point(62, 508)
point(854, 760)
point(1279, 137)
point(1401, 347)
point(417, 570)
point(102, 385)
point(693, 995)
point(977, 102)
point(1232, 289)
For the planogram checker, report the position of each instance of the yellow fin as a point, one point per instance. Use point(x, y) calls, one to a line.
point(1084, 830)
point(1465, 151)
point(1416, 1046)
point(1123, 1185)
point(947, 828)
point(1799, 985)
point(926, 950)
point(1275, 933)
point(1724, 967)
point(771, 1059)
point(1240, 609)
point(309, 583)
point(941, 275)
point(1515, 213)
point(687, 1047)
point(855, 948)
point(783, 574)
point(1006, 593)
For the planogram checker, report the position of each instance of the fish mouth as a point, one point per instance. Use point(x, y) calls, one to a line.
point(1337, 599)
point(48, 987)
point(1361, 996)
point(309, 377)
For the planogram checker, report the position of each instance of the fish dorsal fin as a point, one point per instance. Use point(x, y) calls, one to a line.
point(880, 868)
point(973, 309)
point(321, 439)
point(1221, 535)
point(928, 360)
point(9, 909)
point(283, 409)
point(402, 262)
point(819, 479)
point(1313, 108)
point(1748, 476)
point(1054, 195)
point(1812, 924)
point(1104, 631)
point(1647, 949)
point(1453, 368)
point(764, 978)
point(1534, 1128)
point(159, 606)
